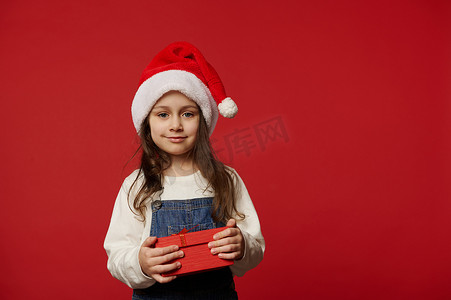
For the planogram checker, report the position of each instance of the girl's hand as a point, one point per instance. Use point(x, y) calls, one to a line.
point(229, 243)
point(155, 261)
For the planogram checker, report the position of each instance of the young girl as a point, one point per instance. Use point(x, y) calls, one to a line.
point(180, 184)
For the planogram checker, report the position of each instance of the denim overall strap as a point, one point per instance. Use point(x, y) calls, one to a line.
point(170, 217)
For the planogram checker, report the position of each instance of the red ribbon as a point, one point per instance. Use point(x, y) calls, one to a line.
point(181, 234)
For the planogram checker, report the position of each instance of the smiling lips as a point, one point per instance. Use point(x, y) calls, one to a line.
point(176, 139)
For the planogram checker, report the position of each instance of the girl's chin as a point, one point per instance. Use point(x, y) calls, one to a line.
point(179, 155)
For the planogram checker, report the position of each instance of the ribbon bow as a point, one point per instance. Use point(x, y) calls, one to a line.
point(181, 234)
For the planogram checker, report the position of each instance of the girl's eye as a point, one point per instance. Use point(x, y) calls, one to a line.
point(188, 115)
point(163, 115)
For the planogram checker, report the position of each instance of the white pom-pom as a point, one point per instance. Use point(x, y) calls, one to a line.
point(227, 108)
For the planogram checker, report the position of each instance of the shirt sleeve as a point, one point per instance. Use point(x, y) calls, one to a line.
point(123, 241)
point(250, 228)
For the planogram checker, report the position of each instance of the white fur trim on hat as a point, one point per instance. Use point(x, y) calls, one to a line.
point(227, 108)
point(186, 83)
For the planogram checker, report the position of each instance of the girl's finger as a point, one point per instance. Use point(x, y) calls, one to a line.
point(229, 256)
point(231, 223)
point(164, 259)
point(165, 250)
point(150, 241)
point(162, 279)
point(160, 269)
point(225, 249)
point(225, 233)
point(223, 242)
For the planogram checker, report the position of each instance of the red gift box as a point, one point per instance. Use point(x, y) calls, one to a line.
point(194, 245)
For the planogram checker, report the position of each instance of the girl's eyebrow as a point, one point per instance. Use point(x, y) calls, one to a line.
point(181, 108)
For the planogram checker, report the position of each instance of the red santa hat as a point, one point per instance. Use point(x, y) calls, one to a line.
point(181, 67)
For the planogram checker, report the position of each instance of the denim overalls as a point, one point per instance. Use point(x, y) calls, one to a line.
point(170, 217)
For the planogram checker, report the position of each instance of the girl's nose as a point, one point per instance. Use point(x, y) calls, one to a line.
point(176, 125)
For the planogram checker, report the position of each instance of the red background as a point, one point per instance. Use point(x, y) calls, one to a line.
point(354, 205)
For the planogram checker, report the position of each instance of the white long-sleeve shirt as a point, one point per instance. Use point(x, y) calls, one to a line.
point(126, 232)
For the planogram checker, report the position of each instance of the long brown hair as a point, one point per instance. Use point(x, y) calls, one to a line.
point(154, 161)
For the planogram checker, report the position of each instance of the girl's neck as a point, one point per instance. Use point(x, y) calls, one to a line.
point(180, 166)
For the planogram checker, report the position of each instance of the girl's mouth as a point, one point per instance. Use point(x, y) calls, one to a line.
point(176, 139)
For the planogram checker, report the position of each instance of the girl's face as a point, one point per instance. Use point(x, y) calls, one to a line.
point(174, 121)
